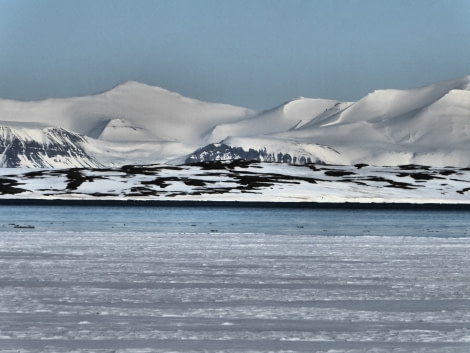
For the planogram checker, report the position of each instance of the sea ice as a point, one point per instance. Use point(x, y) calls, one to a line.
point(142, 292)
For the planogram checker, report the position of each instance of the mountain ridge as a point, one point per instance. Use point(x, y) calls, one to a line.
point(138, 123)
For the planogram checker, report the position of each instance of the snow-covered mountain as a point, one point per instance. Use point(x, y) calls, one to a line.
point(134, 123)
point(131, 123)
point(42, 146)
point(428, 125)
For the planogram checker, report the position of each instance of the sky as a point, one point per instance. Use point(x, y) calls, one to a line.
point(252, 53)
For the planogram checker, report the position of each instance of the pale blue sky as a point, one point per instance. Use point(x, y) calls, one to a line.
point(253, 53)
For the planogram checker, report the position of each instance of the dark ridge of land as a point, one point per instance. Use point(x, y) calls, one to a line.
point(248, 204)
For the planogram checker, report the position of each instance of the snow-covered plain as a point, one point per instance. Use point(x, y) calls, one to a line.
point(217, 292)
point(243, 181)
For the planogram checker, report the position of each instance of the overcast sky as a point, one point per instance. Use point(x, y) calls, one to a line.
point(253, 53)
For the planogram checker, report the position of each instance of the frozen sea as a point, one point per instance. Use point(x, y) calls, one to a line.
point(163, 279)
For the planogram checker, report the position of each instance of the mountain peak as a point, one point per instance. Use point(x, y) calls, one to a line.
point(133, 87)
point(122, 130)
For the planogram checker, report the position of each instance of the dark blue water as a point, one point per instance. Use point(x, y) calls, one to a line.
point(331, 222)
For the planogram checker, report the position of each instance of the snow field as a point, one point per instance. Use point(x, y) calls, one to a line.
point(262, 182)
point(218, 292)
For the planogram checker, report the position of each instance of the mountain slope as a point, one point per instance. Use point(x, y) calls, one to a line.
point(279, 119)
point(39, 147)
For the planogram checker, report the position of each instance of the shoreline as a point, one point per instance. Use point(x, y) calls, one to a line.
point(245, 204)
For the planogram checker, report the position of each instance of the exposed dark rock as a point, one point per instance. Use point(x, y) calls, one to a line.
point(76, 178)
point(9, 187)
point(447, 172)
point(196, 182)
point(141, 170)
point(224, 152)
point(419, 176)
point(161, 182)
point(392, 183)
point(142, 191)
point(210, 165)
point(338, 173)
point(254, 181)
point(413, 167)
point(220, 152)
point(463, 191)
